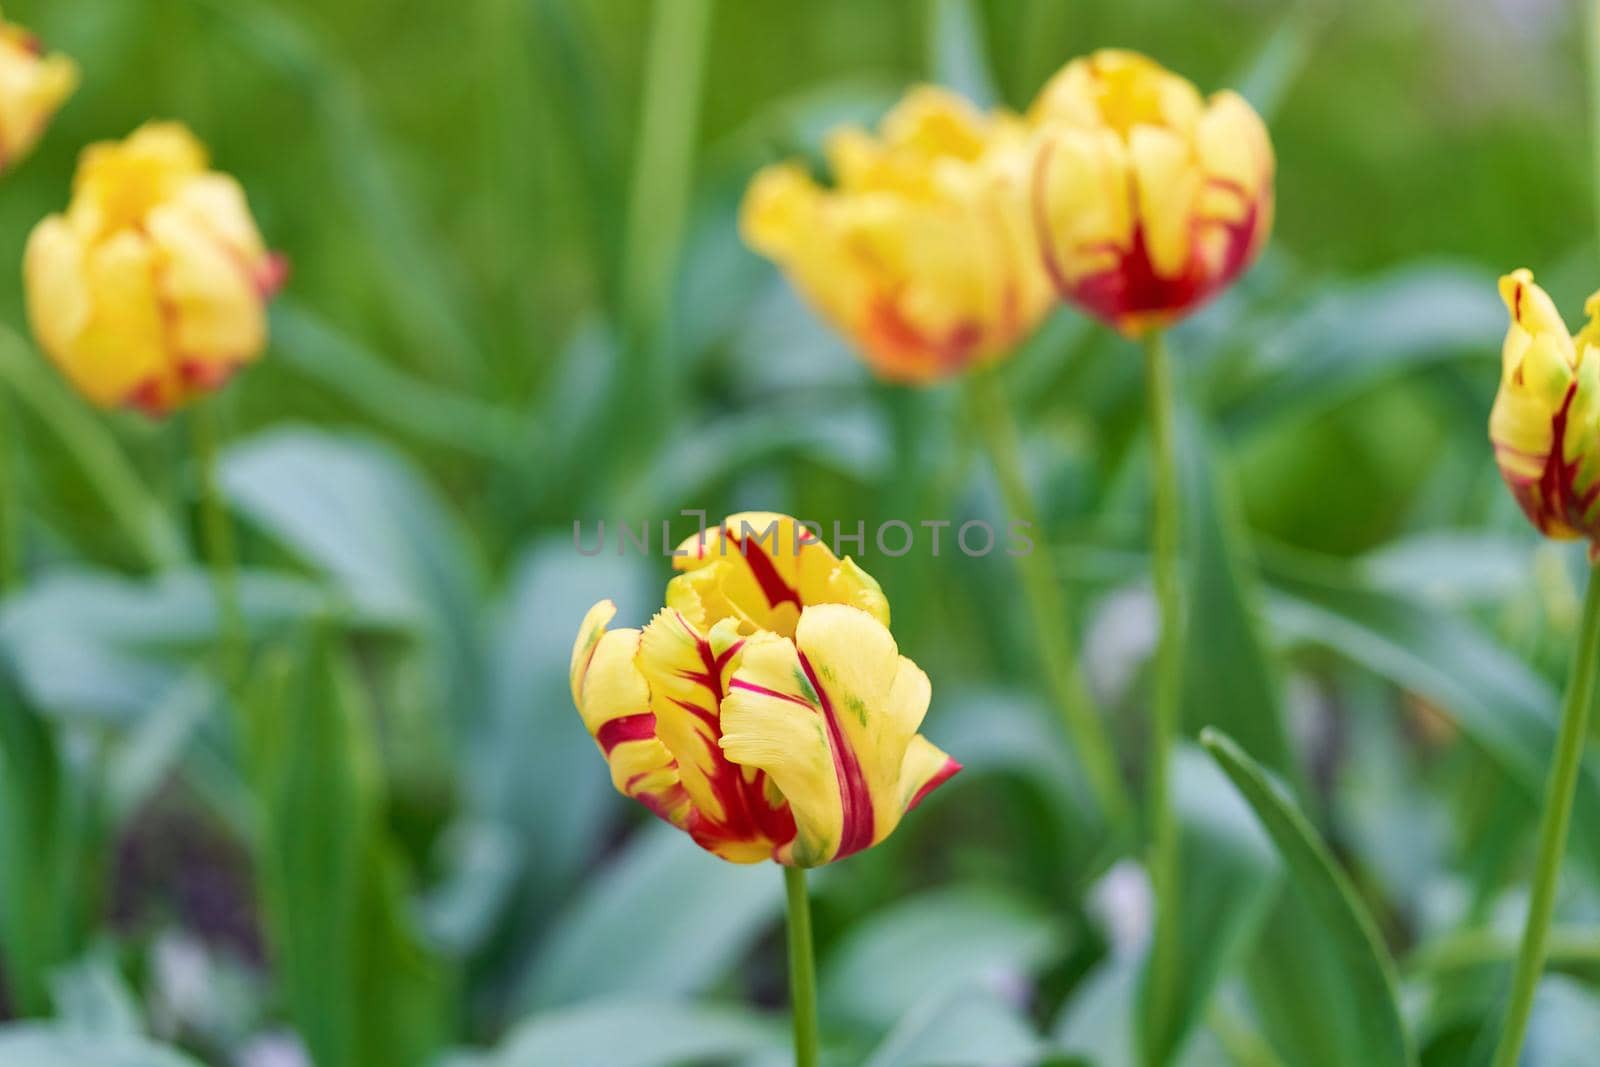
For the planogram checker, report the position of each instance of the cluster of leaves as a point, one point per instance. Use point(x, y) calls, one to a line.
point(420, 860)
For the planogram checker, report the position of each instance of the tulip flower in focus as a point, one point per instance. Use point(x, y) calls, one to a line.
point(1148, 199)
point(1545, 425)
point(32, 87)
point(152, 288)
point(766, 710)
point(920, 253)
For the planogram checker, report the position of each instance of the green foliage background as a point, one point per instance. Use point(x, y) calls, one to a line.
point(519, 300)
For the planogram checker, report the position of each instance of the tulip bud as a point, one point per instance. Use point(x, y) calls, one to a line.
point(1147, 198)
point(766, 711)
point(33, 86)
point(920, 254)
point(1545, 425)
point(152, 288)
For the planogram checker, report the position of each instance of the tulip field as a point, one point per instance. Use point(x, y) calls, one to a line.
point(694, 533)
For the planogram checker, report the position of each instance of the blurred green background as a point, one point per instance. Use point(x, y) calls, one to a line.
point(519, 300)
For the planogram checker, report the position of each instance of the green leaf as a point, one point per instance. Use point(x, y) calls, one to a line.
point(1507, 710)
point(360, 988)
point(361, 514)
point(31, 1045)
point(407, 405)
point(91, 997)
point(1353, 338)
point(637, 1032)
point(96, 451)
point(1369, 1030)
point(932, 944)
point(1230, 873)
point(106, 647)
point(42, 835)
point(961, 1026)
point(1565, 1028)
point(1229, 679)
point(663, 918)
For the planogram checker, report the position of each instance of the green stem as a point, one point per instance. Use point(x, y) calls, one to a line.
point(1553, 827)
point(802, 968)
point(1042, 589)
point(217, 534)
point(1166, 724)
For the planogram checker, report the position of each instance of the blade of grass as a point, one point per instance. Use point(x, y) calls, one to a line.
point(90, 443)
point(658, 207)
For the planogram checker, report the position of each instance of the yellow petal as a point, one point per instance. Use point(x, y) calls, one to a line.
point(614, 702)
point(831, 716)
point(32, 88)
point(1167, 184)
point(762, 568)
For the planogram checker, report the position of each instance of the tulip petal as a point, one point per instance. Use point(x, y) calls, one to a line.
point(734, 815)
point(831, 716)
point(614, 701)
point(762, 568)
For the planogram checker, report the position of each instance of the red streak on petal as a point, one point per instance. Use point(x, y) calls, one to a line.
point(272, 275)
point(906, 353)
point(855, 800)
point(773, 587)
point(1132, 291)
point(207, 375)
point(146, 398)
point(1551, 501)
point(740, 683)
point(746, 815)
point(940, 777)
point(614, 732)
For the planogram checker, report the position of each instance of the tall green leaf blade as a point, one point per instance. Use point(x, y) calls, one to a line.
point(1230, 872)
point(1372, 1032)
point(1507, 709)
point(360, 988)
point(41, 828)
point(1230, 679)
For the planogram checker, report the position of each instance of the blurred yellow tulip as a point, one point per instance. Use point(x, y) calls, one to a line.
point(33, 86)
point(767, 710)
point(152, 288)
point(1545, 425)
point(920, 253)
point(1148, 199)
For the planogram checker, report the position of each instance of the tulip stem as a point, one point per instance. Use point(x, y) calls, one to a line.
point(802, 968)
point(1043, 590)
point(216, 533)
point(1553, 827)
point(1166, 721)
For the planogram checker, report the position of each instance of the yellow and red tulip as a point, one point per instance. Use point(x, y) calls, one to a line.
point(920, 253)
point(152, 288)
point(1545, 425)
point(1148, 199)
point(766, 710)
point(33, 86)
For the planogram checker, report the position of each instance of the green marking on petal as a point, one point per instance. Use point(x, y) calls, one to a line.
point(804, 684)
